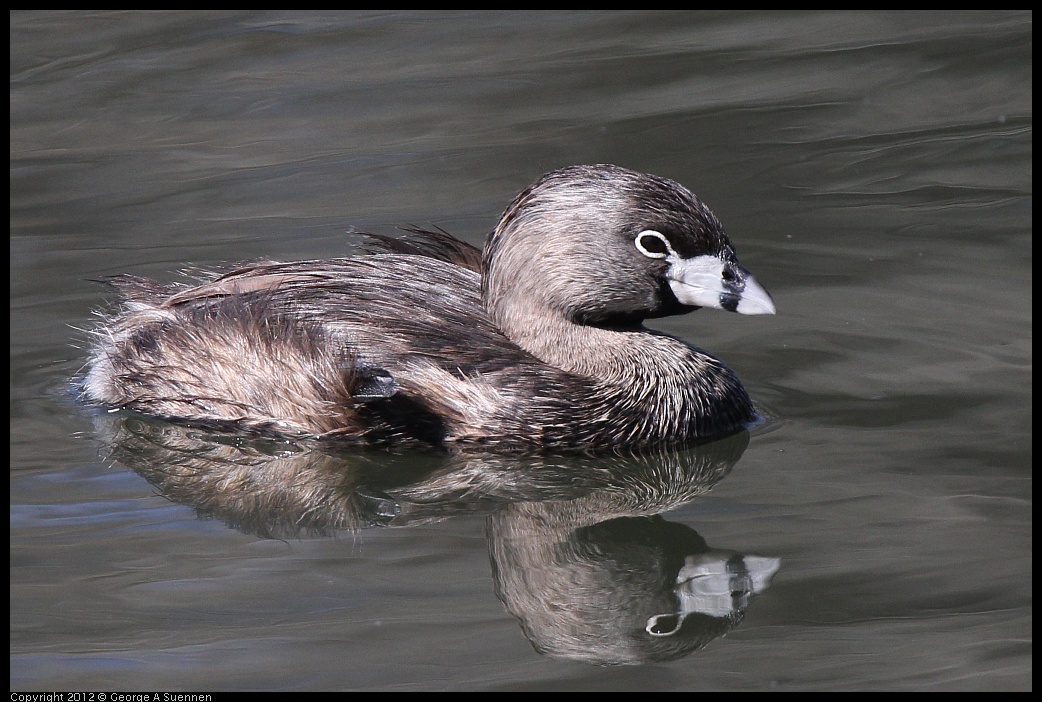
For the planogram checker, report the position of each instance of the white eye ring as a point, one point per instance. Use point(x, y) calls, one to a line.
point(654, 254)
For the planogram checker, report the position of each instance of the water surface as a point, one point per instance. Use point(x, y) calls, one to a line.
point(874, 171)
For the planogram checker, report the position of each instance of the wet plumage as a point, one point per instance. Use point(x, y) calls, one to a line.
point(536, 343)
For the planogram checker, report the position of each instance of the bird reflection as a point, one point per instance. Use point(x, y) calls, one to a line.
point(580, 554)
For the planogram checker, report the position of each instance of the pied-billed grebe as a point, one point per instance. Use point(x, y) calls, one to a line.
point(535, 343)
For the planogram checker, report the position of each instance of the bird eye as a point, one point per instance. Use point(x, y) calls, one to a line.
point(652, 244)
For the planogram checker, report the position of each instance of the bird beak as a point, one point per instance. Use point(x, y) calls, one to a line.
point(708, 281)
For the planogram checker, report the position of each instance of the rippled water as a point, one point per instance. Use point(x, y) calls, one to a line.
point(874, 170)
